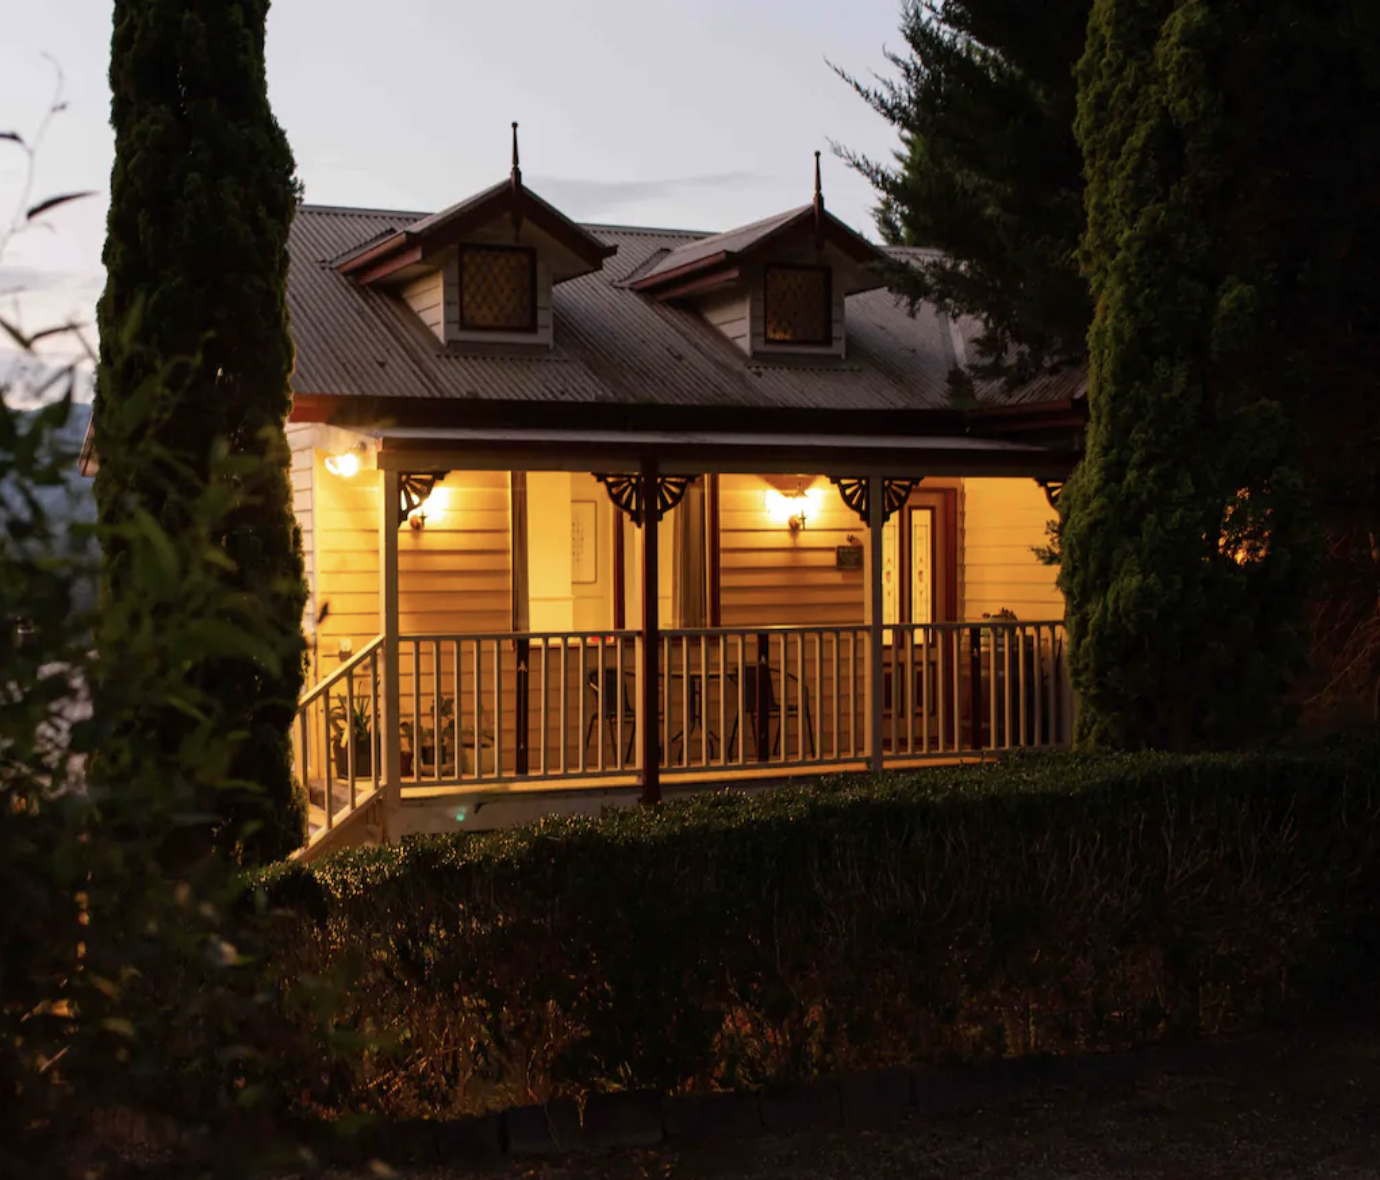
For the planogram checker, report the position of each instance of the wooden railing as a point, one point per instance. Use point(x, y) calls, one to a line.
point(511, 707)
point(337, 740)
point(485, 710)
point(800, 693)
point(762, 696)
point(956, 688)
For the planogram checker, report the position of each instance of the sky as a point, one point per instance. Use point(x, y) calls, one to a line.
point(700, 114)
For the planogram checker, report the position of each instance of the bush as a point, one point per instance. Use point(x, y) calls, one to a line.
point(1052, 903)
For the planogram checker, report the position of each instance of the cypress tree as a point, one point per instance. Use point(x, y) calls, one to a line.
point(1183, 535)
point(202, 196)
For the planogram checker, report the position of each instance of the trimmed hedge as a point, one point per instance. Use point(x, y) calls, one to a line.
point(1049, 904)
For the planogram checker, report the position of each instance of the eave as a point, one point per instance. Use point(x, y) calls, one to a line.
point(667, 283)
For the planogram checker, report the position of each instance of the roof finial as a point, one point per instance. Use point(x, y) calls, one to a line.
point(819, 206)
point(515, 185)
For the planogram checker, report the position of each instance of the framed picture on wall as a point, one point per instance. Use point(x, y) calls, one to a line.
point(584, 542)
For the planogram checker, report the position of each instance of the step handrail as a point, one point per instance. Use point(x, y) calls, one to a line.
point(321, 687)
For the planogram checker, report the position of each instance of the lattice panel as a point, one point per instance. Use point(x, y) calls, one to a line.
point(626, 492)
point(797, 305)
point(895, 493)
point(496, 289)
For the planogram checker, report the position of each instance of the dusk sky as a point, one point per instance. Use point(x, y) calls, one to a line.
point(690, 113)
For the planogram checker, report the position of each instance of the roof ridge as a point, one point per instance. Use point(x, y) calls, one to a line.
point(357, 211)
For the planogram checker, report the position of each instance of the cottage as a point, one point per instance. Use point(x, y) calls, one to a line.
point(589, 506)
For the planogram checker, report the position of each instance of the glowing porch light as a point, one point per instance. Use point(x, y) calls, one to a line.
point(345, 465)
point(795, 509)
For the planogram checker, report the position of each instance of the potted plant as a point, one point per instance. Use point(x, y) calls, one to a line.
point(484, 745)
point(422, 742)
point(355, 728)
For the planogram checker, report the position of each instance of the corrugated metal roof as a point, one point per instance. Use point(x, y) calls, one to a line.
point(612, 345)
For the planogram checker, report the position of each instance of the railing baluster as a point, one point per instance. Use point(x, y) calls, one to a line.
point(1020, 671)
point(896, 667)
point(992, 688)
point(618, 759)
point(1040, 728)
point(544, 700)
point(476, 694)
point(926, 705)
point(958, 690)
point(742, 699)
point(436, 710)
point(581, 721)
point(941, 691)
point(303, 767)
point(1056, 688)
point(684, 645)
point(350, 769)
point(457, 682)
point(834, 694)
point(498, 716)
point(600, 711)
point(565, 705)
point(819, 690)
point(1010, 686)
point(704, 702)
point(723, 699)
point(910, 691)
point(665, 675)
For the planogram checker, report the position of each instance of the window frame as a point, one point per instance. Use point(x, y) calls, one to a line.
point(827, 339)
point(528, 328)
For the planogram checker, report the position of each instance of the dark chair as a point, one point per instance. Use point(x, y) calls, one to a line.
point(696, 720)
point(771, 707)
point(607, 702)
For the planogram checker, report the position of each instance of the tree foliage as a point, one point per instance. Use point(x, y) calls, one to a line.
point(132, 972)
point(202, 195)
point(989, 175)
point(1185, 533)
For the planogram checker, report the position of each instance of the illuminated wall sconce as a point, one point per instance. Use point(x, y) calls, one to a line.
point(793, 509)
point(346, 464)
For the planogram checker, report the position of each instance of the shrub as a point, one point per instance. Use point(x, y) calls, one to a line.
point(1049, 904)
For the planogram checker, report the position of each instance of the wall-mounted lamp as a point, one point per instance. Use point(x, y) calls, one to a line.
point(346, 464)
point(793, 509)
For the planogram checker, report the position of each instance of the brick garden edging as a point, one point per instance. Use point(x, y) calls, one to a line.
point(868, 1099)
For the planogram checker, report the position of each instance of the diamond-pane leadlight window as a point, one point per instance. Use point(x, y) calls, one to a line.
point(797, 305)
point(497, 289)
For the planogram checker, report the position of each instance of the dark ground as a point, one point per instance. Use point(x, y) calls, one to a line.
point(1298, 1104)
point(1303, 1103)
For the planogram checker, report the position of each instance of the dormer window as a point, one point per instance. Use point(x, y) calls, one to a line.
point(498, 287)
point(797, 304)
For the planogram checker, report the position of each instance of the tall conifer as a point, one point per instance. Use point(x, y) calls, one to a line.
point(202, 196)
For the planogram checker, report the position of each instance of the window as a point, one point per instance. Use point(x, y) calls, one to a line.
point(498, 289)
point(908, 575)
point(798, 305)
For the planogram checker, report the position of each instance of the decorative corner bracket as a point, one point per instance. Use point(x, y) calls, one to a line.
point(626, 492)
point(895, 494)
point(1053, 489)
point(414, 487)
